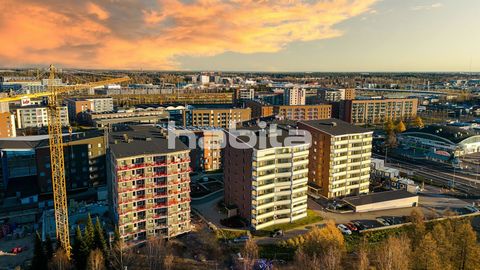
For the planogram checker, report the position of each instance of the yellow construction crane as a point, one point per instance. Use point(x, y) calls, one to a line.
point(56, 147)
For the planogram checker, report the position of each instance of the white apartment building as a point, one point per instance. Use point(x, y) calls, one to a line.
point(268, 185)
point(36, 116)
point(294, 96)
point(100, 105)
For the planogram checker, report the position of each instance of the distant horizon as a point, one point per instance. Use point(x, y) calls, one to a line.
point(282, 36)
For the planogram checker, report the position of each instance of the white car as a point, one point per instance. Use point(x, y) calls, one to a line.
point(344, 229)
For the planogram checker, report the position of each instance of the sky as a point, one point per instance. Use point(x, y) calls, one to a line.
point(243, 35)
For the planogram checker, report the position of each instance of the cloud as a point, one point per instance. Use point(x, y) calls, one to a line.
point(427, 7)
point(151, 35)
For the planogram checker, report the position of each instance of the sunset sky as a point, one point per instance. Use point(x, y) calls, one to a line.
point(243, 35)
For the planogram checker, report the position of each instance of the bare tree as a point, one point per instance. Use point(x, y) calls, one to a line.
point(157, 250)
point(250, 253)
point(96, 260)
point(393, 254)
point(362, 261)
point(121, 256)
point(168, 262)
point(60, 261)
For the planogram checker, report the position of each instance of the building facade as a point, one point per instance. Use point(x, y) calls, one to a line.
point(268, 184)
point(7, 125)
point(259, 108)
point(149, 185)
point(303, 112)
point(216, 117)
point(36, 116)
point(378, 111)
point(340, 157)
point(294, 96)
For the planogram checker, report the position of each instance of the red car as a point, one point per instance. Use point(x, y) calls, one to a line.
point(16, 250)
point(351, 227)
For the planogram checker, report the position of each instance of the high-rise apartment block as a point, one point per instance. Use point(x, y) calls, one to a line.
point(294, 96)
point(340, 157)
point(149, 185)
point(378, 111)
point(97, 105)
point(268, 183)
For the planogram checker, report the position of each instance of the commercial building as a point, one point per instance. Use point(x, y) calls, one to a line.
point(382, 201)
point(267, 183)
point(439, 143)
point(294, 96)
point(215, 116)
point(149, 184)
point(378, 111)
point(339, 157)
point(28, 157)
point(303, 112)
point(36, 116)
point(259, 108)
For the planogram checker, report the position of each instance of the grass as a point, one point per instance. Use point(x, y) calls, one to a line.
point(311, 218)
point(230, 234)
point(276, 252)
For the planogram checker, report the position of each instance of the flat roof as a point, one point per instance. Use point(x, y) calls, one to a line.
point(335, 127)
point(142, 140)
point(379, 197)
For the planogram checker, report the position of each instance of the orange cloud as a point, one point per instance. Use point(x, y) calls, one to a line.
point(127, 34)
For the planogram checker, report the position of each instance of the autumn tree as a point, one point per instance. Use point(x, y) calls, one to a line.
point(389, 126)
point(400, 127)
point(417, 219)
point(418, 122)
point(393, 254)
point(444, 236)
point(120, 256)
point(250, 253)
point(96, 260)
point(362, 260)
point(426, 254)
point(466, 250)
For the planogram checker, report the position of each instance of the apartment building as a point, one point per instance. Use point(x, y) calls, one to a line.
point(244, 93)
point(76, 106)
point(294, 96)
point(28, 157)
point(149, 184)
point(36, 116)
point(216, 117)
point(259, 108)
point(340, 157)
point(303, 112)
point(267, 183)
point(378, 111)
point(7, 125)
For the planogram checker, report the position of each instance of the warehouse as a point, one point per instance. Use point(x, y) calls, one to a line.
point(382, 201)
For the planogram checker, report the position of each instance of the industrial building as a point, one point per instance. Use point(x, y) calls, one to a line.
point(382, 201)
point(149, 184)
point(268, 184)
point(339, 157)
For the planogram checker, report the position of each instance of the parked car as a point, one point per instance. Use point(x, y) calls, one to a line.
point(277, 233)
point(351, 227)
point(471, 208)
point(344, 229)
point(383, 222)
point(359, 225)
point(243, 238)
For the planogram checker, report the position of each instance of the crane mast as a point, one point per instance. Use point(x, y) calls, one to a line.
point(57, 164)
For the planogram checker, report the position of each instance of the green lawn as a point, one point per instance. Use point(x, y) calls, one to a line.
point(311, 218)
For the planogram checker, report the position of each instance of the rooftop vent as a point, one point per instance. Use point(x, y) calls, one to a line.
point(334, 124)
point(125, 137)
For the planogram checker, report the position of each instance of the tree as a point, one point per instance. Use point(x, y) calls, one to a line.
point(391, 140)
point(389, 126)
point(466, 249)
point(362, 261)
point(157, 251)
point(80, 250)
point(89, 236)
point(444, 239)
point(209, 240)
point(49, 248)
point(99, 237)
point(400, 127)
point(426, 254)
point(418, 122)
point(393, 254)
point(39, 260)
point(96, 260)
point(120, 256)
point(60, 261)
point(250, 253)
point(418, 222)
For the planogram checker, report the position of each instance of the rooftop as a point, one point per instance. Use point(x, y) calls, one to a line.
point(141, 140)
point(451, 133)
point(379, 197)
point(37, 141)
point(335, 127)
point(278, 138)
